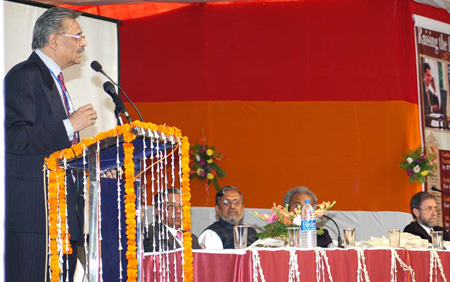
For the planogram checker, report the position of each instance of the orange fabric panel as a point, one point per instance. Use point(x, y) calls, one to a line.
point(126, 11)
point(344, 151)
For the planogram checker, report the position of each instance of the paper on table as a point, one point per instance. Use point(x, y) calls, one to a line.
point(267, 242)
point(407, 240)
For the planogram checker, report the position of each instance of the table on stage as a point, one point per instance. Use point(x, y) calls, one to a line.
point(374, 264)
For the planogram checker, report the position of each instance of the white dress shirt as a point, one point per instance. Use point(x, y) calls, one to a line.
point(210, 239)
point(427, 229)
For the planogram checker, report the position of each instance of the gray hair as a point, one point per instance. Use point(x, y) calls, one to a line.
point(222, 191)
point(51, 22)
point(299, 190)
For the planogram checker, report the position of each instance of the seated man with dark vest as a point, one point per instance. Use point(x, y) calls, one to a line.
point(167, 225)
point(230, 208)
point(295, 198)
point(424, 211)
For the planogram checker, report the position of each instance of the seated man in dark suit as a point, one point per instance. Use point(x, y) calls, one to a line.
point(295, 198)
point(230, 208)
point(424, 211)
point(167, 225)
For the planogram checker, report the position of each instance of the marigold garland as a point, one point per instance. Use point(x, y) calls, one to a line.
point(186, 201)
point(53, 225)
point(57, 200)
point(130, 207)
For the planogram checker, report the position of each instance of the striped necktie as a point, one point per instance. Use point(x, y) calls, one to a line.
point(66, 104)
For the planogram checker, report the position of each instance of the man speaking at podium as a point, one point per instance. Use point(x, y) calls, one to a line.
point(40, 119)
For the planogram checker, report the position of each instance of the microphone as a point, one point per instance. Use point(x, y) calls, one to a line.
point(339, 231)
point(109, 88)
point(438, 190)
point(98, 68)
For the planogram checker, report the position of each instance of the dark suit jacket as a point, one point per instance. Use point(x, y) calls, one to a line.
point(166, 243)
point(429, 99)
point(34, 114)
point(416, 229)
point(324, 240)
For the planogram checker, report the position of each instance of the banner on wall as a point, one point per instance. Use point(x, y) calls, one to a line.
point(432, 41)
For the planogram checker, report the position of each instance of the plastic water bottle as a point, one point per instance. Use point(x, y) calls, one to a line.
point(309, 234)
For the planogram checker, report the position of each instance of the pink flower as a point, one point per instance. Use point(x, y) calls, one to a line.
point(272, 218)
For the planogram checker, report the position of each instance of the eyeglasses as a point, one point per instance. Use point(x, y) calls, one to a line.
point(78, 37)
point(227, 202)
point(173, 206)
point(431, 209)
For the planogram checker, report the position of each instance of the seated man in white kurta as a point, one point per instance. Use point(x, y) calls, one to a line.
point(230, 208)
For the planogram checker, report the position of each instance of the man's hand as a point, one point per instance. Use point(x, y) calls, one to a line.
point(112, 173)
point(433, 85)
point(83, 117)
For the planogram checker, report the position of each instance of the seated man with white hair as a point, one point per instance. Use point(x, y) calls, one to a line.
point(295, 198)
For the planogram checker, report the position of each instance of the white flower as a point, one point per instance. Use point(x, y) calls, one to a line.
point(416, 169)
point(197, 157)
point(409, 160)
point(298, 220)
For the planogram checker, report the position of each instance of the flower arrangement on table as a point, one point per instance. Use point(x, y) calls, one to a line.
point(281, 218)
point(417, 165)
point(204, 165)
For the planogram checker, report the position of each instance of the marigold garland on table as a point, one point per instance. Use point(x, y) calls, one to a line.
point(417, 165)
point(57, 200)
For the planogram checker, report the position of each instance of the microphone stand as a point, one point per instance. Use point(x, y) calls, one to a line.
point(118, 116)
point(439, 190)
point(98, 68)
point(339, 231)
point(442, 192)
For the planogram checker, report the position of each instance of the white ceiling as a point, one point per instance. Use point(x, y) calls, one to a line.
point(114, 2)
point(444, 4)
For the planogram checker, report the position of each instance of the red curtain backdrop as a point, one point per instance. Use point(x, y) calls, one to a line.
point(316, 93)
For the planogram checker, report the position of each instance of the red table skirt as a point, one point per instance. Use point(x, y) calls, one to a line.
point(274, 265)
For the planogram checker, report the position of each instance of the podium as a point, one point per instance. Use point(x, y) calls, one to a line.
point(113, 207)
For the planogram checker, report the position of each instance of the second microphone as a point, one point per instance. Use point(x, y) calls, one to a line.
point(111, 90)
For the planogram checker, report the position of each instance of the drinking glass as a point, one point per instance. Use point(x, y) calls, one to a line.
point(349, 237)
point(394, 237)
point(240, 236)
point(295, 237)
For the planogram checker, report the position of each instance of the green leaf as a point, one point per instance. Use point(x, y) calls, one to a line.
point(220, 172)
point(320, 231)
point(216, 184)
